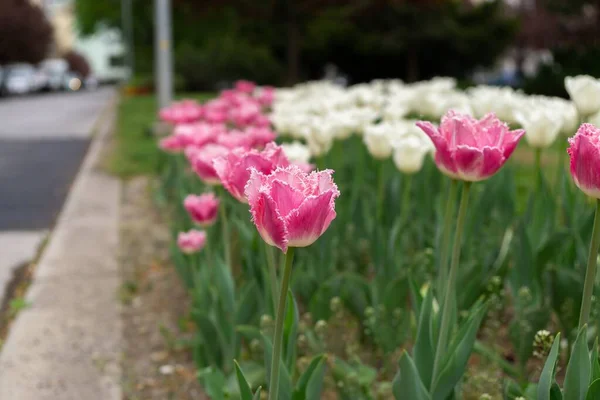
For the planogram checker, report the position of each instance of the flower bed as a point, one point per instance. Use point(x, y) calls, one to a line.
point(379, 280)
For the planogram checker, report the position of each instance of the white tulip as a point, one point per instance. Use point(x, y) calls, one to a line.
point(409, 153)
point(595, 119)
point(541, 123)
point(377, 139)
point(296, 152)
point(585, 93)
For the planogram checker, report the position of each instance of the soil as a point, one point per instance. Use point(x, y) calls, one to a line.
point(157, 362)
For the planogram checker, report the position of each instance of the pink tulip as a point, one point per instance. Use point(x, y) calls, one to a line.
point(192, 241)
point(171, 144)
point(245, 86)
point(584, 151)
point(266, 96)
point(244, 114)
point(470, 149)
point(260, 136)
point(234, 139)
point(233, 97)
point(202, 209)
point(261, 121)
point(291, 208)
point(234, 168)
point(201, 161)
point(305, 167)
point(182, 112)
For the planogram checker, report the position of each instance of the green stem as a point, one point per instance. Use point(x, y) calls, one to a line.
point(278, 338)
point(380, 190)
point(538, 169)
point(225, 230)
point(272, 275)
point(405, 198)
point(450, 295)
point(446, 234)
point(590, 274)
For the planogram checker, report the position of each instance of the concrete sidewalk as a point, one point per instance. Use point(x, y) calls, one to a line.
point(67, 344)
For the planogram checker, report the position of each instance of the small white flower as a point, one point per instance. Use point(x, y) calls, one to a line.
point(377, 139)
point(166, 369)
point(585, 93)
point(541, 122)
point(296, 152)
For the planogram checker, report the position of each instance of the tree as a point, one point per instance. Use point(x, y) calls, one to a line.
point(78, 63)
point(27, 32)
point(366, 38)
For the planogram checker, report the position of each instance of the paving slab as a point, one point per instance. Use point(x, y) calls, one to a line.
point(66, 345)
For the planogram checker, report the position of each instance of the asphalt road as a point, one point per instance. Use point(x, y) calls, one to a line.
point(43, 139)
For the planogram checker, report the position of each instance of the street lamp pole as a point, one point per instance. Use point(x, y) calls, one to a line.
point(162, 51)
point(127, 26)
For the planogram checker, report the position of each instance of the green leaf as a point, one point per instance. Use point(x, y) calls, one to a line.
point(555, 392)
point(593, 392)
point(285, 381)
point(210, 336)
point(511, 389)
point(577, 377)
point(455, 361)
point(247, 305)
point(213, 382)
point(594, 364)
point(408, 384)
point(257, 394)
point(415, 296)
point(310, 383)
point(424, 349)
point(245, 390)
point(547, 375)
point(305, 377)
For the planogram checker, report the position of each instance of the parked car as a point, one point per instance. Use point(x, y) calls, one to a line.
point(55, 69)
point(2, 73)
point(20, 79)
point(91, 82)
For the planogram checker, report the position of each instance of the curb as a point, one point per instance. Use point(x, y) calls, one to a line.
point(67, 344)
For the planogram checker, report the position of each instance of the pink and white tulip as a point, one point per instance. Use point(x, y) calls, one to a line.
point(201, 160)
point(469, 149)
point(192, 241)
point(202, 209)
point(233, 169)
point(266, 96)
point(584, 151)
point(182, 112)
point(291, 208)
point(245, 86)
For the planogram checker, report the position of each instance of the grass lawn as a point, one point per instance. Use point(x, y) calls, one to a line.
point(136, 151)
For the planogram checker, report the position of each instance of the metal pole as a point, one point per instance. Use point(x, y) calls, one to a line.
point(127, 25)
point(162, 50)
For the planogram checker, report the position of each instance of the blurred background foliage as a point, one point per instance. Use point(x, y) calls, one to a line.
point(286, 41)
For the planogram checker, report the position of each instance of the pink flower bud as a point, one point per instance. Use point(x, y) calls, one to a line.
point(291, 208)
point(584, 151)
point(234, 168)
point(192, 241)
point(470, 149)
point(202, 209)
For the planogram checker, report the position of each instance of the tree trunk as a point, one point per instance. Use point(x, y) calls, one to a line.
point(293, 45)
point(412, 64)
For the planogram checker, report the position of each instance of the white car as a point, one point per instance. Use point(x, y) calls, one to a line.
point(55, 69)
point(19, 79)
